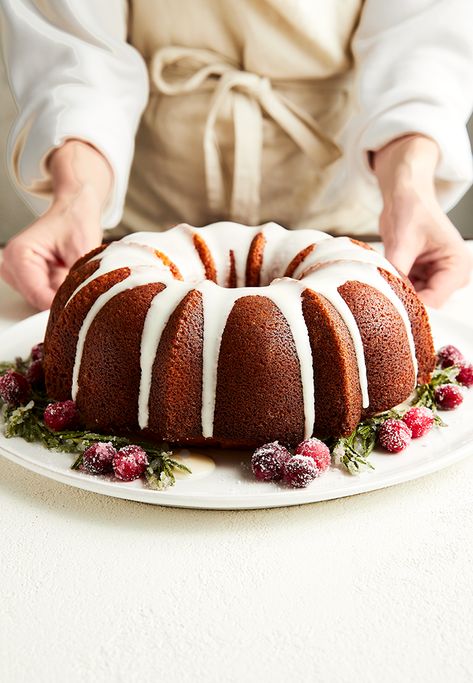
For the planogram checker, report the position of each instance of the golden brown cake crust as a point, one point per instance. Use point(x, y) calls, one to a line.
point(61, 337)
point(232, 275)
point(259, 389)
point(109, 377)
point(77, 275)
point(298, 258)
point(254, 260)
point(206, 258)
point(337, 393)
point(175, 399)
point(389, 366)
point(424, 344)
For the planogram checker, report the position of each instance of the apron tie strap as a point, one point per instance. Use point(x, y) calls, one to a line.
point(252, 96)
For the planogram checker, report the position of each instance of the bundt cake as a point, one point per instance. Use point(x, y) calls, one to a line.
point(234, 336)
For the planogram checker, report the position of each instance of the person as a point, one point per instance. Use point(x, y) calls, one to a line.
point(342, 115)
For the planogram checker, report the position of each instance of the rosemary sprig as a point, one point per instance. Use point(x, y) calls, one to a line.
point(160, 471)
point(26, 422)
point(19, 364)
point(353, 451)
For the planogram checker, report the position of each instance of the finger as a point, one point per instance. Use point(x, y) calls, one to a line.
point(402, 258)
point(6, 275)
point(70, 255)
point(418, 283)
point(57, 276)
point(79, 243)
point(30, 276)
point(440, 286)
point(402, 250)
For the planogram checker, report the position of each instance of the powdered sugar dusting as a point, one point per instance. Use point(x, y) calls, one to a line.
point(394, 435)
point(300, 471)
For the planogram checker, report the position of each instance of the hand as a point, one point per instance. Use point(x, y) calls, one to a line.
point(36, 261)
point(418, 237)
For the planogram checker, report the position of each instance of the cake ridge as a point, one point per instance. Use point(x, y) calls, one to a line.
point(168, 300)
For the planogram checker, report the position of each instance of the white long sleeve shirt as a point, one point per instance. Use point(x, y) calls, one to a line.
point(74, 75)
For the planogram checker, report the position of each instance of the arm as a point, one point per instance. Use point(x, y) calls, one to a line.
point(80, 91)
point(414, 61)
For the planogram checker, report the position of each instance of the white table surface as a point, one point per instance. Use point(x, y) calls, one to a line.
point(377, 587)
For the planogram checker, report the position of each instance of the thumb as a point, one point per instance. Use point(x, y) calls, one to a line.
point(401, 257)
point(28, 273)
point(86, 235)
point(401, 248)
point(440, 287)
point(401, 239)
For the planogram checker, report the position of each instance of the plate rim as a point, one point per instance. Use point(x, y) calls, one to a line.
point(272, 499)
point(227, 501)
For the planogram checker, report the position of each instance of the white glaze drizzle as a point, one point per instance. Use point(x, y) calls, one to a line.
point(326, 281)
point(282, 246)
point(340, 249)
point(157, 317)
point(119, 255)
point(135, 279)
point(286, 294)
point(217, 304)
point(223, 239)
point(291, 308)
point(334, 262)
point(390, 294)
point(178, 246)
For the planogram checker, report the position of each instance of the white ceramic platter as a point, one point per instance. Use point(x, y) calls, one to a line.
point(223, 480)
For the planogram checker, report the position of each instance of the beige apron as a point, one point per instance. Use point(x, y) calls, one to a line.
point(249, 100)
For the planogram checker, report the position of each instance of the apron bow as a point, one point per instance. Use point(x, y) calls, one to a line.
point(252, 97)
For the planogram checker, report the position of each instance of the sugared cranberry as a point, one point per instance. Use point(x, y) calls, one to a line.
point(14, 388)
point(394, 435)
point(98, 458)
point(449, 355)
point(465, 374)
point(61, 415)
point(317, 450)
point(419, 420)
point(448, 396)
point(268, 460)
point(299, 471)
point(130, 463)
point(37, 352)
point(35, 374)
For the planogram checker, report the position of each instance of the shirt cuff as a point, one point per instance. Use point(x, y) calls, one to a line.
point(454, 171)
point(83, 116)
